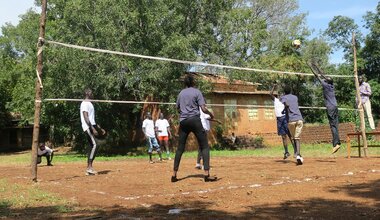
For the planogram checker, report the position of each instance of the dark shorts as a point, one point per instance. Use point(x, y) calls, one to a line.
point(282, 125)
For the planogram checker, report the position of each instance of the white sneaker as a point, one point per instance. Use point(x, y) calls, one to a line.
point(299, 160)
point(91, 172)
point(198, 166)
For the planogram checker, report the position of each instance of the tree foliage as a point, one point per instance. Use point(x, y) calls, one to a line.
point(340, 31)
point(247, 33)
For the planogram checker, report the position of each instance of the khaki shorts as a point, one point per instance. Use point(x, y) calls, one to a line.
point(295, 128)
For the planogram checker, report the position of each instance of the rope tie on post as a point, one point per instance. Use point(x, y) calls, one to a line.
point(41, 46)
point(39, 79)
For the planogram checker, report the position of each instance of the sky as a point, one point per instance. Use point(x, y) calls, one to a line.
point(320, 12)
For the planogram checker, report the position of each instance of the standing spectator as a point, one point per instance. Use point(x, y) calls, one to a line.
point(189, 101)
point(87, 118)
point(206, 126)
point(148, 129)
point(163, 133)
point(205, 119)
point(282, 122)
point(331, 104)
point(295, 120)
point(365, 93)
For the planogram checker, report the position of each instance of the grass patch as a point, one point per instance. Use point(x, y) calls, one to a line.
point(307, 150)
point(23, 199)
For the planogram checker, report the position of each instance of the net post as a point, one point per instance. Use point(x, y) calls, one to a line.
point(360, 106)
point(38, 88)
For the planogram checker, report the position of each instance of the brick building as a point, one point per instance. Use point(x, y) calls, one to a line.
point(16, 137)
point(248, 112)
point(240, 106)
point(258, 118)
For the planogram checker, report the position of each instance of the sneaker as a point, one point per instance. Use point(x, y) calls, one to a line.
point(174, 179)
point(169, 158)
point(286, 155)
point(91, 172)
point(335, 149)
point(210, 179)
point(151, 162)
point(299, 160)
point(198, 166)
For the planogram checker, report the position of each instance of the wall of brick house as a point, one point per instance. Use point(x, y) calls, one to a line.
point(322, 133)
point(234, 87)
point(311, 134)
point(241, 123)
point(20, 138)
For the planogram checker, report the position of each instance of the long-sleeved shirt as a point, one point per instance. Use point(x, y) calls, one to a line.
point(365, 92)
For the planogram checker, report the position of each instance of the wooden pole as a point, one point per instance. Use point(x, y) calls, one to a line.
point(37, 101)
point(360, 106)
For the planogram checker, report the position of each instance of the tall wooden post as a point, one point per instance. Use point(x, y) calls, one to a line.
point(37, 101)
point(360, 106)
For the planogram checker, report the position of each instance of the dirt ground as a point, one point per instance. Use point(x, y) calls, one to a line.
point(248, 188)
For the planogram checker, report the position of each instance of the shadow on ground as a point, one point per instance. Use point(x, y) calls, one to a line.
point(314, 208)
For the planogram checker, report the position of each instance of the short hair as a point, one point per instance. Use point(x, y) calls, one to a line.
point(329, 80)
point(189, 80)
point(287, 90)
point(87, 92)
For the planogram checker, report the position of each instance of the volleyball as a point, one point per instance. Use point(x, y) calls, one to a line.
point(296, 43)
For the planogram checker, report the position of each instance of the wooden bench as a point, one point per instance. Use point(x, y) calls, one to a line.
point(358, 135)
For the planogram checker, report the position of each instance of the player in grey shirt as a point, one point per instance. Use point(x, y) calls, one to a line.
point(330, 102)
point(295, 120)
point(189, 101)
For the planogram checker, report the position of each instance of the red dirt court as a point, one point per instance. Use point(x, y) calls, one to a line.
point(248, 188)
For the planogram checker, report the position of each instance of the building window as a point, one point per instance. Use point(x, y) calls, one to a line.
point(268, 112)
point(253, 113)
point(230, 110)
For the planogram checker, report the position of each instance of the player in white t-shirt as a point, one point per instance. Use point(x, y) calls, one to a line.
point(163, 133)
point(89, 126)
point(282, 122)
point(149, 131)
point(44, 150)
point(205, 119)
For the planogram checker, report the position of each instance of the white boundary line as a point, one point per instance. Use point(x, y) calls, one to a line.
point(284, 180)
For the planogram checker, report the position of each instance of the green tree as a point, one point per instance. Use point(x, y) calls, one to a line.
point(340, 31)
point(371, 50)
point(371, 56)
point(254, 33)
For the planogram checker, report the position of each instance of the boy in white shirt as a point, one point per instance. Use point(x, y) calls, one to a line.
point(148, 129)
point(205, 119)
point(282, 122)
point(45, 151)
point(89, 126)
point(163, 132)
